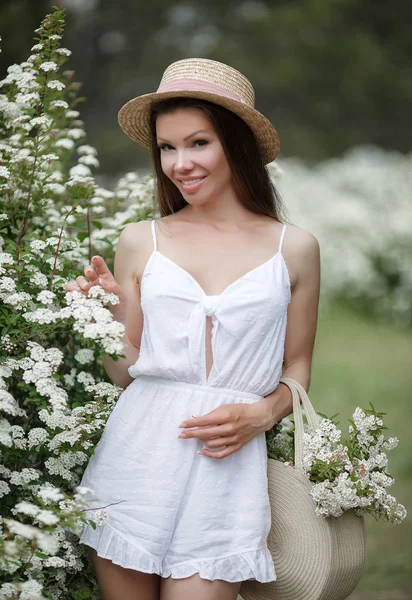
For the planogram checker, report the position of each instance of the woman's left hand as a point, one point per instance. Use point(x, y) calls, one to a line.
point(230, 425)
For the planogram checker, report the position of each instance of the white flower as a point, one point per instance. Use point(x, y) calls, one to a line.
point(18, 300)
point(39, 279)
point(85, 378)
point(84, 356)
point(63, 51)
point(37, 436)
point(8, 404)
point(72, 114)
point(4, 488)
point(90, 161)
point(27, 100)
point(55, 84)
point(63, 464)
point(87, 149)
point(99, 516)
point(80, 171)
point(48, 157)
point(49, 493)
point(46, 542)
point(37, 245)
point(37, 47)
point(47, 517)
point(48, 66)
point(83, 181)
point(59, 104)
point(42, 121)
point(42, 315)
point(65, 143)
point(6, 259)
point(26, 508)
point(76, 133)
point(4, 172)
point(7, 284)
point(24, 476)
point(46, 297)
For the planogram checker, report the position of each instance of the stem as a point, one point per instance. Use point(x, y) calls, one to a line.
point(56, 254)
point(89, 231)
point(25, 218)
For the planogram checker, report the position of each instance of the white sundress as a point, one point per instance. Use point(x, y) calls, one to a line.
point(170, 510)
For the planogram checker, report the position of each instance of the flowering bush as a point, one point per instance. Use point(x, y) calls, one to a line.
point(346, 474)
point(358, 206)
point(54, 395)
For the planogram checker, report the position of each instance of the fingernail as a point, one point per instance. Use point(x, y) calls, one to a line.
point(200, 452)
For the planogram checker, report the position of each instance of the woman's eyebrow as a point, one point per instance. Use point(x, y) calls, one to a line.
point(189, 136)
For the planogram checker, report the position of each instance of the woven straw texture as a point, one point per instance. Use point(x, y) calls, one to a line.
point(190, 77)
point(314, 558)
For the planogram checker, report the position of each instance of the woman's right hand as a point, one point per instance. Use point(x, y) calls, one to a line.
point(98, 273)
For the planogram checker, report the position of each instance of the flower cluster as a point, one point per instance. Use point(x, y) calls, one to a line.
point(365, 249)
point(345, 474)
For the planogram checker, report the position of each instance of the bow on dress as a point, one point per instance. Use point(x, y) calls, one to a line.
point(207, 306)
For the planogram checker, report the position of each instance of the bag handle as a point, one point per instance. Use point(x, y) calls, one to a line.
point(300, 398)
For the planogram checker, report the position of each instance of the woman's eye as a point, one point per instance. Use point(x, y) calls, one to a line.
point(166, 146)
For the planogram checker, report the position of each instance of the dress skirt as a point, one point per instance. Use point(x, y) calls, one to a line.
point(170, 510)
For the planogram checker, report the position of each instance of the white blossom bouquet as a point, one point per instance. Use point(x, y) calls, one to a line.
point(345, 474)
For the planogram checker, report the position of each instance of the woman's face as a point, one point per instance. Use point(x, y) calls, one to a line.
point(192, 156)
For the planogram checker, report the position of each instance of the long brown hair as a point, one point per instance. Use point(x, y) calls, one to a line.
point(251, 178)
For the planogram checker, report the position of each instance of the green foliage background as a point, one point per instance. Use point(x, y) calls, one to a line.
point(330, 74)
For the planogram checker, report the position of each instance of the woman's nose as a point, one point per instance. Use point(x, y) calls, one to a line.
point(182, 160)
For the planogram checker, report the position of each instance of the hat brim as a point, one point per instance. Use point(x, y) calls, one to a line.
point(134, 118)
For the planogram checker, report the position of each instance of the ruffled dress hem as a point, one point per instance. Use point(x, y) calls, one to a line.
point(254, 564)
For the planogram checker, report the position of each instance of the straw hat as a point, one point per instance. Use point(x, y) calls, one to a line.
point(209, 80)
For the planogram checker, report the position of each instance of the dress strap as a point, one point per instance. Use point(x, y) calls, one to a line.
point(282, 235)
point(154, 234)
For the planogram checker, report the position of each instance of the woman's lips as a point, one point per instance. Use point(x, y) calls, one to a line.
point(192, 187)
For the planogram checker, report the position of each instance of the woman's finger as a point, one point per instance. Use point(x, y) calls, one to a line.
point(222, 441)
point(82, 282)
point(72, 286)
point(206, 432)
point(91, 273)
point(101, 268)
point(220, 453)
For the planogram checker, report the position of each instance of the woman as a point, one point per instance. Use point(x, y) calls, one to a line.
point(229, 296)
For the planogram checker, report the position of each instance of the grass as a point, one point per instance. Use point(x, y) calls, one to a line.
point(356, 361)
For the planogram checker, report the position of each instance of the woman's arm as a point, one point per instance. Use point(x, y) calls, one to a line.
point(303, 257)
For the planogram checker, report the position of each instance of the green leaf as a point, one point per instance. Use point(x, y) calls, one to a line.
point(82, 235)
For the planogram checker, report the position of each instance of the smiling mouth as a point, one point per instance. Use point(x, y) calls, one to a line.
point(191, 181)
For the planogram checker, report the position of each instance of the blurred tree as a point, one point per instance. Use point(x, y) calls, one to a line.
point(330, 74)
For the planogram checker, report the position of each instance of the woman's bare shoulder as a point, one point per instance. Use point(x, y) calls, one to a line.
point(302, 254)
point(299, 241)
point(134, 247)
point(136, 236)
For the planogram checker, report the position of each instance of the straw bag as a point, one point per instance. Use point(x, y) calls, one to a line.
point(315, 558)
